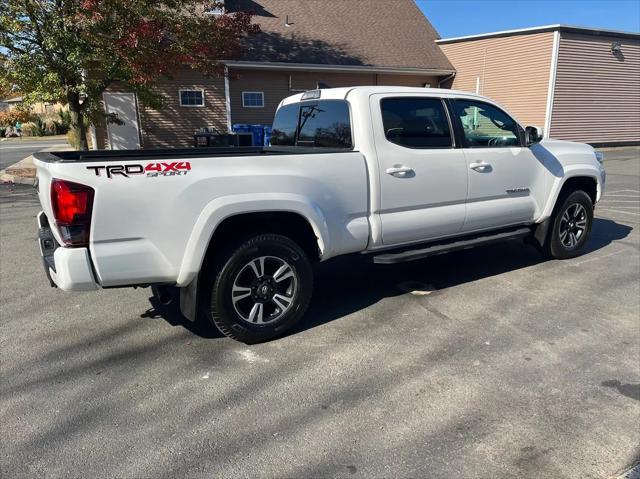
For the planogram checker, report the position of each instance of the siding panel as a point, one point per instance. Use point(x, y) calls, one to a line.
point(513, 71)
point(597, 95)
point(405, 80)
point(275, 85)
point(174, 125)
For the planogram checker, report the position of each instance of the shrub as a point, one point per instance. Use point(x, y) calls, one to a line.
point(10, 118)
point(37, 127)
point(64, 121)
point(28, 129)
point(40, 127)
point(51, 126)
point(73, 138)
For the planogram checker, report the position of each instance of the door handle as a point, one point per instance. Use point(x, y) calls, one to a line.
point(399, 171)
point(481, 167)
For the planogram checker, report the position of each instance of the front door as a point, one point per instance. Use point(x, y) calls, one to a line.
point(423, 178)
point(505, 178)
point(126, 135)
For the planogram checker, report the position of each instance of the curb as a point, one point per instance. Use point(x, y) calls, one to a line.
point(23, 172)
point(9, 179)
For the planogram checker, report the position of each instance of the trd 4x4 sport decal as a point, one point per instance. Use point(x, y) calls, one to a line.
point(175, 168)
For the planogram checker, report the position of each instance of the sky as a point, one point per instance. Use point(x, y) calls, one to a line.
point(453, 18)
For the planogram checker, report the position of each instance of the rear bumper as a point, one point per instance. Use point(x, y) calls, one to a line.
point(67, 268)
point(72, 270)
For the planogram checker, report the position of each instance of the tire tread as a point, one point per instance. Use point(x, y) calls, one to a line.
point(216, 282)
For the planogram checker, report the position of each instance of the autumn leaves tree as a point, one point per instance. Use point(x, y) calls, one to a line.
point(71, 51)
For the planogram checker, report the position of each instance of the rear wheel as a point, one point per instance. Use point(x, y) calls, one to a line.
point(261, 289)
point(570, 226)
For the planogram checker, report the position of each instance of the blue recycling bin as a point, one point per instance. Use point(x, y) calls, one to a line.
point(267, 135)
point(243, 128)
point(258, 134)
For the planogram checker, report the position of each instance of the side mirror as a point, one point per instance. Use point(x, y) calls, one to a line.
point(533, 134)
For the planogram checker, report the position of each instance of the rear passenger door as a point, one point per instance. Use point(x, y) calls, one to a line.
point(506, 180)
point(422, 176)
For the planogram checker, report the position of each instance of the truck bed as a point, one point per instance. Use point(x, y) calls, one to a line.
point(175, 153)
point(148, 228)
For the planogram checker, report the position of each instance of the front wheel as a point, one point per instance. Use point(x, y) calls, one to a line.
point(262, 289)
point(571, 226)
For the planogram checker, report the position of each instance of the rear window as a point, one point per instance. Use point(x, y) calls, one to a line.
point(324, 124)
point(285, 126)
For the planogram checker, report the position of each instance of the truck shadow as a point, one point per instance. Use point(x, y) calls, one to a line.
point(349, 284)
point(172, 315)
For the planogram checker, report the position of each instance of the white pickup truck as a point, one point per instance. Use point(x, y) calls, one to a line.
point(392, 172)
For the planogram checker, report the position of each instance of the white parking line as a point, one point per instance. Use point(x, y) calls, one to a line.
point(618, 211)
point(618, 207)
point(622, 191)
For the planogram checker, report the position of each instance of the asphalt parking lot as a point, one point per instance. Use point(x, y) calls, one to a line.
point(13, 150)
point(504, 365)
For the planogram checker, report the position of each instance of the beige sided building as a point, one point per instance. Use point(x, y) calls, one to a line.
point(580, 84)
point(303, 45)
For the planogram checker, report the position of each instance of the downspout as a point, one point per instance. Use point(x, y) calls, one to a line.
point(445, 79)
point(552, 83)
point(227, 98)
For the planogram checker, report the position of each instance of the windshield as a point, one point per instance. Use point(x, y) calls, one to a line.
point(325, 123)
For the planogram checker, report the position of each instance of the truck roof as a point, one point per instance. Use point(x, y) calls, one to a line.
point(342, 92)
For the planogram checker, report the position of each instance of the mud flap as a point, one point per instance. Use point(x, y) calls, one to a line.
point(541, 231)
point(189, 300)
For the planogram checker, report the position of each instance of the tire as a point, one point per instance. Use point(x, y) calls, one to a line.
point(259, 289)
point(570, 227)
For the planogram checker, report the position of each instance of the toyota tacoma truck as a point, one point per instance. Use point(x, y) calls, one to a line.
point(394, 173)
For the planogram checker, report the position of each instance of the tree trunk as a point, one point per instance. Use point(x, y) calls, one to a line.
point(78, 130)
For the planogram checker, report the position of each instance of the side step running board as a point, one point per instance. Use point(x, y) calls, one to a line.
point(452, 245)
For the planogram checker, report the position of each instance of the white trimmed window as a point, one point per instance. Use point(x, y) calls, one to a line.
point(253, 99)
point(193, 97)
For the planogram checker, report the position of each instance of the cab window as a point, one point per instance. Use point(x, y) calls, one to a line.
point(486, 126)
point(415, 122)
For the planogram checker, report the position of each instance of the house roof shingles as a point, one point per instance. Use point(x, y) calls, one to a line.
point(382, 33)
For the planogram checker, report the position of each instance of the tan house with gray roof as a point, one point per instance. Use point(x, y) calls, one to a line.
point(580, 84)
point(303, 44)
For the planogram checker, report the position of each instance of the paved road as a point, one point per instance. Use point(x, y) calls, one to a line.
point(14, 150)
point(513, 367)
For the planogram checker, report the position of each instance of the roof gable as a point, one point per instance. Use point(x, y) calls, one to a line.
point(355, 32)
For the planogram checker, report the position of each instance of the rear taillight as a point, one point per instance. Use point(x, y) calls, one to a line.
point(72, 204)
